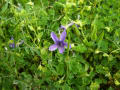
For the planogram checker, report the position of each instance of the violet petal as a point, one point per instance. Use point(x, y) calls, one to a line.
point(67, 45)
point(53, 47)
point(63, 35)
point(54, 37)
point(63, 27)
point(11, 38)
point(77, 25)
point(61, 49)
point(12, 45)
point(70, 24)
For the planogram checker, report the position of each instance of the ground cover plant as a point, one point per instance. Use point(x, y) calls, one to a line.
point(86, 39)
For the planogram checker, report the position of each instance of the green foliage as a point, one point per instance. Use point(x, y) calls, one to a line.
point(93, 62)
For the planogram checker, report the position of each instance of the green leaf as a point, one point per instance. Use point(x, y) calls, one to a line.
point(101, 36)
point(32, 51)
point(27, 50)
point(4, 8)
point(94, 86)
point(31, 28)
point(1, 33)
point(94, 28)
point(66, 87)
point(77, 32)
point(80, 48)
point(103, 45)
point(60, 68)
point(110, 88)
point(94, 34)
point(39, 36)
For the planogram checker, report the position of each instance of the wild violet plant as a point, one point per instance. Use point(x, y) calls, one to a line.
point(59, 42)
point(93, 63)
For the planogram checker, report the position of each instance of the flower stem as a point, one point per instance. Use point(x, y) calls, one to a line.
point(68, 46)
point(67, 56)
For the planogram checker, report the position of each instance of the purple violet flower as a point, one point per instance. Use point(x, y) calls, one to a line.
point(12, 44)
point(59, 43)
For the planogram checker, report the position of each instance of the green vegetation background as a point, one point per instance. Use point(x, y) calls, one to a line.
point(93, 62)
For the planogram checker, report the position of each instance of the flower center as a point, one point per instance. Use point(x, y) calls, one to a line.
point(60, 43)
